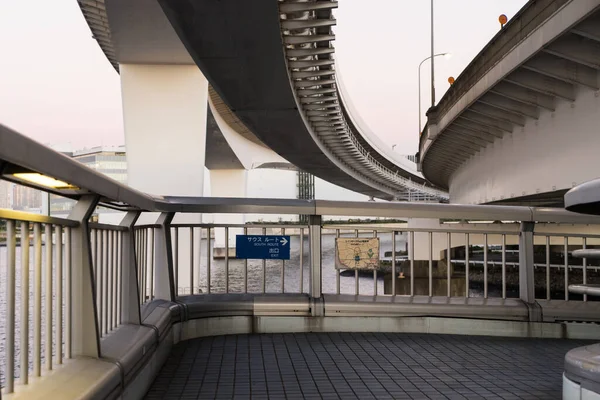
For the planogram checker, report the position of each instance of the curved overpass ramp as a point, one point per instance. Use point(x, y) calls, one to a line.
point(520, 124)
point(271, 63)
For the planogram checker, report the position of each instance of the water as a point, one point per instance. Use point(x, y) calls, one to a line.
point(3, 310)
point(236, 283)
point(273, 270)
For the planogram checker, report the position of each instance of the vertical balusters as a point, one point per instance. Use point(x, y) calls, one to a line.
point(504, 266)
point(337, 271)
point(485, 266)
point(393, 263)
point(566, 268)
point(547, 267)
point(375, 271)
point(208, 260)
point(226, 259)
point(449, 265)
point(245, 267)
point(117, 277)
point(24, 342)
point(138, 260)
point(145, 264)
point(152, 258)
point(356, 281)
point(264, 268)
point(48, 344)
point(105, 294)
point(283, 265)
point(11, 258)
point(584, 267)
point(467, 248)
point(412, 263)
point(176, 258)
point(37, 300)
point(59, 294)
point(302, 260)
point(110, 268)
point(68, 291)
point(191, 260)
point(120, 273)
point(430, 234)
point(100, 276)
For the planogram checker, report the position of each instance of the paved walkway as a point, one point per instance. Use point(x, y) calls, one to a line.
point(364, 366)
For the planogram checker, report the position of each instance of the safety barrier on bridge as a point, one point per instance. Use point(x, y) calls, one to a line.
point(108, 301)
point(306, 31)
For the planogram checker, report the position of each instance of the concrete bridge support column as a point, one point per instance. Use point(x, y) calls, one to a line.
point(164, 115)
point(228, 183)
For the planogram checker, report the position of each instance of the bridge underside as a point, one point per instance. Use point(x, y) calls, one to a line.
point(549, 199)
point(520, 124)
point(242, 57)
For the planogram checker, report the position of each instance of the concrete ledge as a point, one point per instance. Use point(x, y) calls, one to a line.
point(128, 347)
point(134, 354)
point(79, 378)
point(401, 306)
point(560, 310)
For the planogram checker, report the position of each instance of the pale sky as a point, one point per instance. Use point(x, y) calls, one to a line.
point(57, 87)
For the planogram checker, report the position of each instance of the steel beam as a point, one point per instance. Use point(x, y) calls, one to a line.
point(526, 96)
point(565, 70)
point(467, 137)
point(542, 84)
point(476, 127)
point(501, 115)
point(576, 49)
point(487, 121)
point(503, 103)
point(589, 28)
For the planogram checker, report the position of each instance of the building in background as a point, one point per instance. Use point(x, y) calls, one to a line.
point(18, 197)
point(108, 160)
point(5, 195)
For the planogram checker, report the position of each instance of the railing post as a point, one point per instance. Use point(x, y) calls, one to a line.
point(316, 298)
point(130, 295)
point(526, 273)
point(164, 282)
point(85, 336)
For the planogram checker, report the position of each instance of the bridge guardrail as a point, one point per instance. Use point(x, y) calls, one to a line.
point(108, 272)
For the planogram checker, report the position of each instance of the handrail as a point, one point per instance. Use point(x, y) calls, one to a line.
point(13, 215)
point(20, 153)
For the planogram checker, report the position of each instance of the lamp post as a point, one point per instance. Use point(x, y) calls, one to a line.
point(447, 55)
point(432, 64)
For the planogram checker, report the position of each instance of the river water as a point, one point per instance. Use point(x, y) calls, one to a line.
point(236, 283)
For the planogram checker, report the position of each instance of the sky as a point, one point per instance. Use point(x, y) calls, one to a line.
point(57, 87)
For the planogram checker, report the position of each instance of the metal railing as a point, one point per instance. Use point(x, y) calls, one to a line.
point(83, 279)
point(37, 294)
point(449, 260)
point(107, 262)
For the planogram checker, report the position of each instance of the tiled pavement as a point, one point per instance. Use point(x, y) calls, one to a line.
point(363, 366)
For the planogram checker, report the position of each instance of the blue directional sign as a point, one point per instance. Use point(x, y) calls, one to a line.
point(262, 247)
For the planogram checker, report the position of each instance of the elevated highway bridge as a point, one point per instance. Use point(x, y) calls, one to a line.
point(271, 70)
point(520, 124)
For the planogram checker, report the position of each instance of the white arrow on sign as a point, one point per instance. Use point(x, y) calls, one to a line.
point(284, 241)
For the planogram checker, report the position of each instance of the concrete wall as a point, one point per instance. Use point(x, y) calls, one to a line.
point(558, 151)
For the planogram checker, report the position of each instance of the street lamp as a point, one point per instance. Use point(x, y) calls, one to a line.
point(446, 55)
